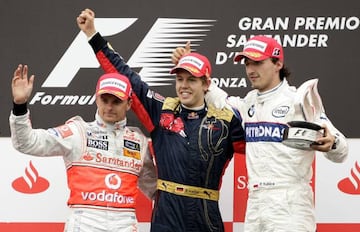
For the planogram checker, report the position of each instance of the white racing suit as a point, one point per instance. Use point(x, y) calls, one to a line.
point(103, 163)
point(280, 196)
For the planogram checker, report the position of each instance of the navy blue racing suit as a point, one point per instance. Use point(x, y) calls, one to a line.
point(192, 148)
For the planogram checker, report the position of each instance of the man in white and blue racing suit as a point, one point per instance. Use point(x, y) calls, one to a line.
point(280, 194)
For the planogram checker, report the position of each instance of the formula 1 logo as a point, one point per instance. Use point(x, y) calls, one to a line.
point(153, 55)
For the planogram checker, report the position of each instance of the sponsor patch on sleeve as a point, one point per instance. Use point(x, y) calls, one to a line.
point(62, 131)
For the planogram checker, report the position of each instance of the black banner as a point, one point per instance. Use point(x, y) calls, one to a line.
point(320, 40)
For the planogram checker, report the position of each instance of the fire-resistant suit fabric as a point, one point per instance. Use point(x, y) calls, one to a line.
point(192, 148)
point(103, 163)
point(280, 194)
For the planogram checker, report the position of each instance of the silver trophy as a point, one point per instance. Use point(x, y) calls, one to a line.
point(301, 134)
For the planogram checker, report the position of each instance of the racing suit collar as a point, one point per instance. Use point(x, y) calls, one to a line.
point(261, 97)
point(120, 125)
point(194, 113)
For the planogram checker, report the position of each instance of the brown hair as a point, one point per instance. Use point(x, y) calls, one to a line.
point(284, 71)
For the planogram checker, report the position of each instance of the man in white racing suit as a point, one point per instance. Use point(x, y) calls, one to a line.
point(280, 195)
point(103, 158)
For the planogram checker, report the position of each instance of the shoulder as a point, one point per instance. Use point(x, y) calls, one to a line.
point(221, 114)
point(171, 103)
point(251, 95)
point(75, 119)
point(135, 134)
point(135, 130)
point(70, 128)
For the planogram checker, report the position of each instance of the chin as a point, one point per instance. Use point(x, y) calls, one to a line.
point(109, 120)
point(186, 103)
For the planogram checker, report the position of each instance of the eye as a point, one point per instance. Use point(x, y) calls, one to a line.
point(193, 79)
point(178, 78)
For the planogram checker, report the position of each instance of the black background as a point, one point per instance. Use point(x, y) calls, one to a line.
point(38, 33)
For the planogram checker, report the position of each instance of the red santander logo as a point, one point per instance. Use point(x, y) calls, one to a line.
point(31, 182)
point(351, 184)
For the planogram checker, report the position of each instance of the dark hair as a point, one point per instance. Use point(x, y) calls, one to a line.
point(204, 79)
point(284, 71)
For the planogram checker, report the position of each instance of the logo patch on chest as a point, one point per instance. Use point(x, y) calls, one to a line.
point(280, 111)
point(98, 144)
point(132, 149)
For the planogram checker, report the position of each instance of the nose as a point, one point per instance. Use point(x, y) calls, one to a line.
point(249, 69)
point(184, 83)
point(109, 105)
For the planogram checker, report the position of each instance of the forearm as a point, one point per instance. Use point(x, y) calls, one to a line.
point(339, 151)
point(216, 96)
point(147, 108)
point(36, 142)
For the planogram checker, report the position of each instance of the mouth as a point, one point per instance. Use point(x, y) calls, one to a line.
point(109, 114)
point(252, 78)
point(185, 94)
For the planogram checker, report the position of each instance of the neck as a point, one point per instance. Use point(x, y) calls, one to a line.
point(194, 108)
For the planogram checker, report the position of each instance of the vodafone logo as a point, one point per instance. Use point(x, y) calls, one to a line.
point(31, 182)
point(112, 181)
point(351, 185)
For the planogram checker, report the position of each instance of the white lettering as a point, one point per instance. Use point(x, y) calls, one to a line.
point(259, 24)
point(293, 40)
point(231, 82)
point(107, 197)
point(241, 182)
point(327, 23)
point(43, 99)
point(261, 131)
point(221, 58)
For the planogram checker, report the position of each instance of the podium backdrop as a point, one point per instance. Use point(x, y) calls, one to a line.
point(320, 40)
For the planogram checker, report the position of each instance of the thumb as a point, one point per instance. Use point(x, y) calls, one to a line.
point(31, 80)
point(187, 47)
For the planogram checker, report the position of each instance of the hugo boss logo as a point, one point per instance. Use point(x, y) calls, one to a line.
point(98, 144)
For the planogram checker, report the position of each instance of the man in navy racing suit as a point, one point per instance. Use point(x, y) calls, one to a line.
point(193, 141)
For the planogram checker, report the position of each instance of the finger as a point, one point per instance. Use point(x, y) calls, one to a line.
point(187, 47)
point(178, 52)
point(174, 59)
point(177, 55)
point(90, 12)
point(326, 131)
point(80, 20)
point(31, 80)
point(24, 72)
point(84, 15)
point(87, 14)
point(18, 70)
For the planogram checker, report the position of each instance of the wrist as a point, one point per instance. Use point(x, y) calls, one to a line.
point(90, 34)
point(336, 143)
point(19, 109)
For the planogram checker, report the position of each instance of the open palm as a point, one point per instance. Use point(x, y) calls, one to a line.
point(21, 85)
